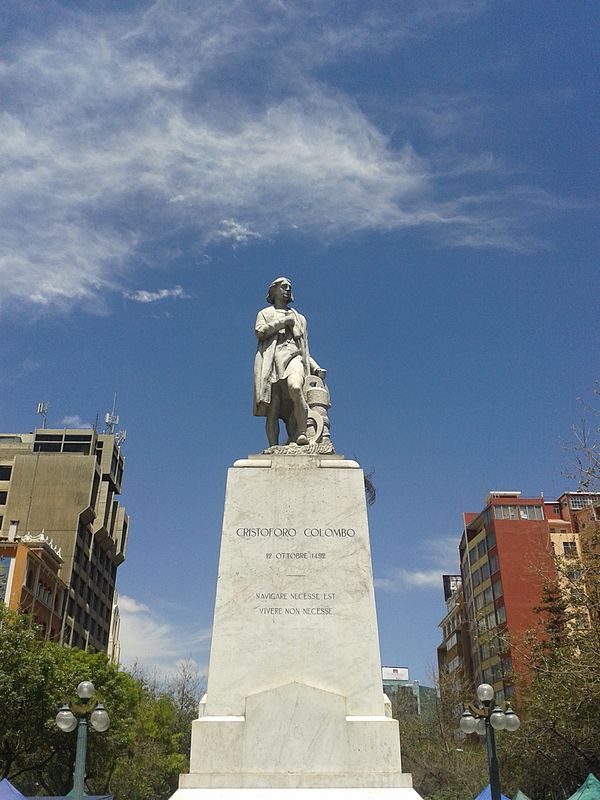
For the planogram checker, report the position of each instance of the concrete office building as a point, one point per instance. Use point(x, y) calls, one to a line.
point(65, 482)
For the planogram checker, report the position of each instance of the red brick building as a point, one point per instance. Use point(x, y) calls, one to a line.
point(505, 558)
point(507, 553)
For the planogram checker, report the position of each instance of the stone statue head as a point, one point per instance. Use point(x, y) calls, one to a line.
point(275, 283)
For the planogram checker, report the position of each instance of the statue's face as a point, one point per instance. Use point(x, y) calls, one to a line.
point(283, 291)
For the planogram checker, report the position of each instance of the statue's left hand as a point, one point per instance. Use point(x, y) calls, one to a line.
point(321, 373)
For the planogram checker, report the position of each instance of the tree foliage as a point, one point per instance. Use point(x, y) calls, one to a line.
point(444, 766)
point(27, 669)
point(558, 742)
point(139, 757)
point(586, 445)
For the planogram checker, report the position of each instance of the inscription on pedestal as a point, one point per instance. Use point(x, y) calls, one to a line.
point(292, 603)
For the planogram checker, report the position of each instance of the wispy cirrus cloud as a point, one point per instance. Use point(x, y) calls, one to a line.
point(145, 296)
point(119, 129)
point(236, 232)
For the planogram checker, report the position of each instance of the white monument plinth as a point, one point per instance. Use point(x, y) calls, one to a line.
point(294, 704)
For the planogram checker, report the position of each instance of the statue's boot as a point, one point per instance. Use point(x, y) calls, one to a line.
point(302, 439)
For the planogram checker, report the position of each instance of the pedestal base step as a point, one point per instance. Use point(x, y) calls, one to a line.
point(405, 793)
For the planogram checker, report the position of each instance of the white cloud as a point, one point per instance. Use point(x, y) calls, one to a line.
point(156, 644)
point(74, 421)
point(400, 579)
point(238, 233)
point(127, 605)
point(119, 129)
point(438, 556)
point(145, 296)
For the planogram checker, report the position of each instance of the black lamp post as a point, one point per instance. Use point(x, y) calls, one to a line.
point(75, 714)
point(485, 720)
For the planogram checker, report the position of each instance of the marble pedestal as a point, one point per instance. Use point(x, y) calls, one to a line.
point(294, 705)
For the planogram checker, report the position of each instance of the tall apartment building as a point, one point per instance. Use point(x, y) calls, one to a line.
point(576, 541)
point(65, 482)
point(506, 554)
point(454, 653)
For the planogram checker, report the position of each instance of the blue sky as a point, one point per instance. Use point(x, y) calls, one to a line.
point(425, 172)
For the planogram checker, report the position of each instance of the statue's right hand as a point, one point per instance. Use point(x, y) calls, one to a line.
point(288, 322)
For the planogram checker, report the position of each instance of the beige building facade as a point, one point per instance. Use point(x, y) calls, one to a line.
point(66, 482)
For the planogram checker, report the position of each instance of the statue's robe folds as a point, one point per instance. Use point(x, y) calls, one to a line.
point(264, 362)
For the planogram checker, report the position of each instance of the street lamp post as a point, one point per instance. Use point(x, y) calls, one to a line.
point(485, 720)
point(75, 714)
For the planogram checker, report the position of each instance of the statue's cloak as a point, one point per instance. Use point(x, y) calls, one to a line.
point(264, 366)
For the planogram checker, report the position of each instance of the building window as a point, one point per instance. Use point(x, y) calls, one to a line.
point(505, 512)
point(3, 496)
point(501, 614)
point(5, 473)
point(570, 549)
point(494, 567)
point(47, 443)
point(581, 501)
point(76, 447)
point(506, 663)
point(454, 664)
point(531, 512)
point(491, 674)
point(497, 587)
point(487, 622)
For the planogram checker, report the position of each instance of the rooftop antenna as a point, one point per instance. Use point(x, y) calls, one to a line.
point(112, 419)
point(42, 410)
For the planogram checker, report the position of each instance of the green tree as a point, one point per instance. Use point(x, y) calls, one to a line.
point(444, 765)
point(27, 676)
point(153, 761)
point(139, 757)
point(36, 678)
point(161, 744)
